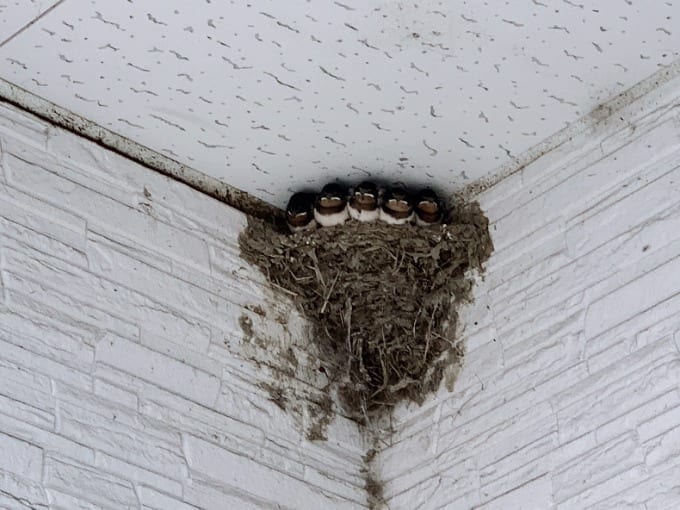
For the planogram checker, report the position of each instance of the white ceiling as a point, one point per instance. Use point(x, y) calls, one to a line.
point(273, 96)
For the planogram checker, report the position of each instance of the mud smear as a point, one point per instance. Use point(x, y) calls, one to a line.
point(382, 300)
point(373, 485)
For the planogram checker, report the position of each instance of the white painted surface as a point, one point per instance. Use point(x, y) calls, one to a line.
point(125, 379)
point(274, 96)
point(569, 397)
point(126, 383)
point(17, 15)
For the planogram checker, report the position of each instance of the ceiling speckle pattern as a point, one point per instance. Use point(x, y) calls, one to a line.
point(274, 96)
point(16, 15)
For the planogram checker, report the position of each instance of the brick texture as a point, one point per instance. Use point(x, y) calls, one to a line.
point(138, 352)
point(569, 395)
point(126, 380)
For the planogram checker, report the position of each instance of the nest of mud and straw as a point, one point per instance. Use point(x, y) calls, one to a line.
point(382, 299)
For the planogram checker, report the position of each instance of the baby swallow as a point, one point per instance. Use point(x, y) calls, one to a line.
point(300, 212)
point(363, 203)
point(330, 206)
point(397, 206)
point(428, 208)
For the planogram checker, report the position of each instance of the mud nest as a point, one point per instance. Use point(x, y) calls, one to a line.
point(382, 299)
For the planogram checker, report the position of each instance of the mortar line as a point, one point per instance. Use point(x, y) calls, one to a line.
point(60, 117)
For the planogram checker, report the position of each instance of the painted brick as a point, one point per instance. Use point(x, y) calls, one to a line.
point(43, 417)
point(334, 485)
point(37, 386)
point(604, 313)
point(158, 369)
point(63, 243)
point(189, 350)
point(138, 276)
point(20, 457)
point(52, 303)
point(617, 398)
point(535, 493)
point(649, 262)
point(16, 492)
point(664, 448)
point(41, 335)
point(580, 409)
point(44, 439)
point(120, 440)
point(204, 422)
point(99, 488)
point(89, 176)
point(152, 499)
point(616, 343)
point(501, 459)
point(615, 217)
point(15, 349)
point(240, 472)
point(63, 501)
point(105, 213)
point(207, 495)
point(120, 297)
point(661, 491)
point(43, 217)
point(661, 350)
point(15, 123)
point(590, 182)
point(438, 489)
point(650, 419)
point(606, 460)
point(108, 411)
point(104, 294)
point(605, 489)
point(125, 470)
point(115, 394)
point(539, 247)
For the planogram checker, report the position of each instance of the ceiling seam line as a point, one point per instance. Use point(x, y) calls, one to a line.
point(32, 22)
point(603, 112)
point(134, 151)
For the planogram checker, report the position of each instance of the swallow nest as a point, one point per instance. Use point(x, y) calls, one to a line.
point(381, 298)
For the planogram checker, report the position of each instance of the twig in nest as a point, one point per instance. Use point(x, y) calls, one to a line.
point(415, 322)
point(360, 357)
point(377, 308)
point(299, 278)
point(428, 334)
point(290, 292)
point(328, 294)
point(452, 344)
point(400, 261)
point(312, 255)
point(348, 322)
point(381, 352)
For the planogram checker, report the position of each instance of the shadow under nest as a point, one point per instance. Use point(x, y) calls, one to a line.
point(381, 298)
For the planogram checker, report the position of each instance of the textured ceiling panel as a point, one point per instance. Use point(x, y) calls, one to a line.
point(273, 96)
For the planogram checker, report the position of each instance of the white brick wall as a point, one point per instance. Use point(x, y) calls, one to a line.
point(125, 378)
point(569, 397)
